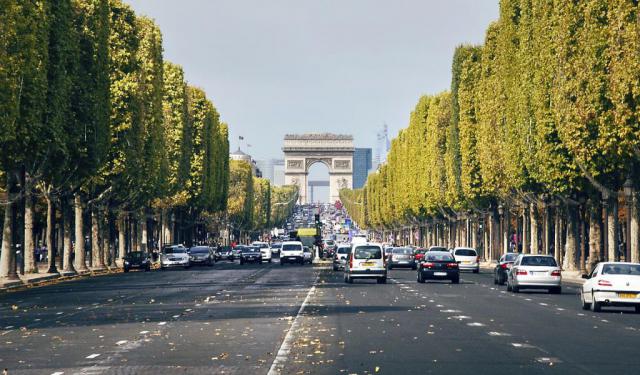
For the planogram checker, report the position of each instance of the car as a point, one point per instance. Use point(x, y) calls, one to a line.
point(251, 254)
point(467, 259)
point(439, 265)
point(340, 258)
point(359, 239)
point(531, 271)
point(612, 284)
point(201, 255)
point(307, 255)
point(275, 247)
point(137, 259)
point(264, 249)
point(235, 253)
point(502, 268)
point(292, 252)
point(328, 248)
point(387, 252)
point(402, 257)
point(174, 256)
point(437, 248)
point(366, 261)
point(419, 254)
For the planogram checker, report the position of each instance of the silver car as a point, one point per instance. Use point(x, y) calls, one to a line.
point(531, 271)
point(174, 256)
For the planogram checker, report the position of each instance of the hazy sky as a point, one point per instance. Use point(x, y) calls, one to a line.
point(293, 66)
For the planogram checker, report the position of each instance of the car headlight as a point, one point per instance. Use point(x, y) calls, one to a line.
point(126, 262)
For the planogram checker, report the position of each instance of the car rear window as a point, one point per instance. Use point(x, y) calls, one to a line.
point(440, 257)
point(343, 250)
point(466, 252)
point(510, 257)
point(174, 250)
point(199, 250)
point(438, 249)
point(621, 269)
point(539, 261)
point(367, 252)
point(404, 251)
point(291, 247)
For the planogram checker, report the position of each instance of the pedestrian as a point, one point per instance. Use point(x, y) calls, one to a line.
point(5, 372)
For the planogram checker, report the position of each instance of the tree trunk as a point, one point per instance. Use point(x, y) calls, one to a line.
point(635, 230)
point(612, 230)
point(491, 241)
point(525, 230)
point(557, 231)
point(583, 239)
point(595, 233)
point(122, 250)
point(66, 263)
point(81, 263)
point(546, 242)
point(506, 227)
point(97, 261)
point(7, 258)
point(29, 245)
point(473, 234)
point(103, 227)
point(533, 212)
point(569, 262)
point(50, 232)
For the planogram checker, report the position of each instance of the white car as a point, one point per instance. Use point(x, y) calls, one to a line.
point(468, 259)
point(612, 284)
point(174, 256)
point(366, 261)
point(531, 271)
point(275, 247)
point(340, 258)
point(265, 250)
point(292, 252)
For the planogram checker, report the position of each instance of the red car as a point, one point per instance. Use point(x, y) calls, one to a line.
point(419, 254)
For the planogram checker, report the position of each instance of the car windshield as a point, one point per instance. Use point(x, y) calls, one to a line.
point(329, 242)
point(538, 261)
point(174, 250)
point(367, 252)
point(291, 247)
point(440, 257)
point(437, 248)
point(199, 250)
point(621, 269)
point(510, 257)
point(403, 251)
point(421, 251)
point(276, 245)
point(466, 252)
point(343, 250)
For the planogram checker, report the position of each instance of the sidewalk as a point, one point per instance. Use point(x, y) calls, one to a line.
point(572, 277)
point(42, 276)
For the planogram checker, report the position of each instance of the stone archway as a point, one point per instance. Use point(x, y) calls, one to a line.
point(303, 150)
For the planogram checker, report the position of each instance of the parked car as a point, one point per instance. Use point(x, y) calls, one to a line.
point(612, 284)
point(174, 256)
point(137, 259)
point(307, 255)
point(366, 262)
point(250, 254)
point(439, 265)
point(467, 259)
point(292, 252)
point(530, 271)
point(340, 258)
point(502, 268)
point(402, 257)
point(419, 254)
point(437, 248)
point(264, 249)
point(203, 255)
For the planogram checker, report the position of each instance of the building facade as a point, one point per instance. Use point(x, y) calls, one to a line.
point(362, 164)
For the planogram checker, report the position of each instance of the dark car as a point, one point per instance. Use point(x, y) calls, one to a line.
point(503, 267)
point(137, 259)
point(201, 255)
point(438, 248)
point(402, 257)
point(439, 265)
point(251, 254)
point(419, 254)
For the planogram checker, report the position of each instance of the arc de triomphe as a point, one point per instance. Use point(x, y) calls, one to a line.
point(335, 151)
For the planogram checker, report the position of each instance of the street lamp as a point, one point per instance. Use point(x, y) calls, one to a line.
point(628, 196)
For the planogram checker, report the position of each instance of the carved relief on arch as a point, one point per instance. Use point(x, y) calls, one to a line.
point(326, 161)
point(342, 164)
point(294, 164)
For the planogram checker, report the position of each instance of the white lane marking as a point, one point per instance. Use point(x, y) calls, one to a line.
point(450, 311)
point(285, 347)
point(475, 324)
point(144, 332)
point(58, 373)
point(162, 323)
point(493, 333)
point(543, 304)
point(460, 317)
point(522, 345)
point(92, 356)
point(121, 342)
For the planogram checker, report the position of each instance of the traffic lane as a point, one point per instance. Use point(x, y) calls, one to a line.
point(389, 328)
point(573, 340)
point(236, 330)
point(59, 326)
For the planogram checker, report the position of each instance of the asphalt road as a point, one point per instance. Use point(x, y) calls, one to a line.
point(260, 319)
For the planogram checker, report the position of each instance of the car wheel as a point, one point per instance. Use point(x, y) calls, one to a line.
point(637, 309)
point(495, 279)
point(476, 271)
point(585, 305)
point(126, 269)
point(335, 268)
point(515, 289)
point(455, 280)
point(382, 280)
point(508, 286)
point(241, 262)
point(420, 277)
point(269, 260)
point(281, 262)
point(556, 290)
point(390, 267)
point(595, 305)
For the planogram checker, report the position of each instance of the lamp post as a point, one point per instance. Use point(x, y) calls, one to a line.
point(628, 196)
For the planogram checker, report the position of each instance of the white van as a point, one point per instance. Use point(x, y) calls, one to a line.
point(467, 259)
point(292, 252)
point(366, 261)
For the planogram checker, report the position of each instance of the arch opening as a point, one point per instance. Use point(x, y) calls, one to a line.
point(318, 182)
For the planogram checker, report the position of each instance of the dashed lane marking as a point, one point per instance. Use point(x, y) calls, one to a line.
point(92, 356)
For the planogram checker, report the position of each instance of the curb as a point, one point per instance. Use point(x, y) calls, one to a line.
point(63, 276)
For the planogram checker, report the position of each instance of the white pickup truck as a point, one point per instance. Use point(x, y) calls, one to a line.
point(292, 252)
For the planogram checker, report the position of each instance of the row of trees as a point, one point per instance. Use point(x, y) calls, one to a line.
point(535, 146)
point(254, 205)
point(100, 135)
